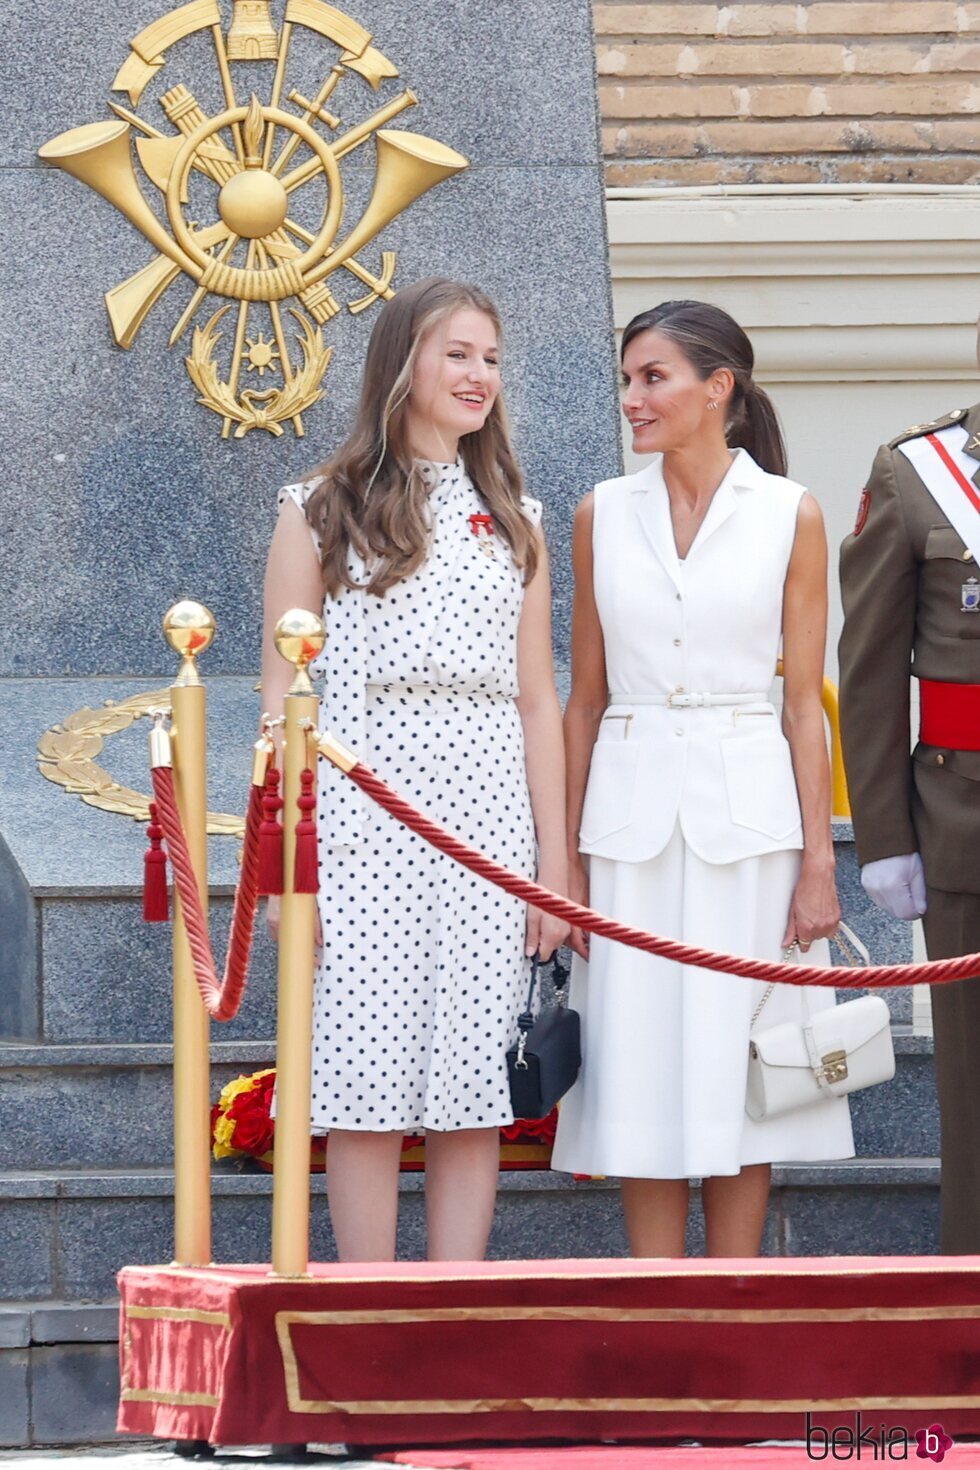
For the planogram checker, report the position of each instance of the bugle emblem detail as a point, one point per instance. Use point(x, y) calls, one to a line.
point(235, 219)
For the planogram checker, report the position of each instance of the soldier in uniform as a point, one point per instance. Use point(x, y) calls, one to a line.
point(911, 590)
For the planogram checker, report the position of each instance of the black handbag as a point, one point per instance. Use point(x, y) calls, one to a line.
point(546, 1060)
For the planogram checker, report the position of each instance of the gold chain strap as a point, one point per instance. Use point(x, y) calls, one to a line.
point(851, 947)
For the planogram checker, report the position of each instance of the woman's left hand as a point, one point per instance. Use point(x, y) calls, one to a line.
point(544, 934)
point(814, 912)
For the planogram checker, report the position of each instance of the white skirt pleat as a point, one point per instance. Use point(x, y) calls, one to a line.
point(661, 1094)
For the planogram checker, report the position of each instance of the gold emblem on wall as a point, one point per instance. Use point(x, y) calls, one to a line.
point(235, 171)
point(66, 755)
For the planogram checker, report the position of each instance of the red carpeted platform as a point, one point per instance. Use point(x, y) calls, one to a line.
point(525, 1352)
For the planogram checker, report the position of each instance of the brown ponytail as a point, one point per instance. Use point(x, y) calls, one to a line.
point(753, 425)
point(711, 339)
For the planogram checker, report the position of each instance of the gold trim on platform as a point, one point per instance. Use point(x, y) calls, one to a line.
point(300, 1405)
point(357, 1317)
point(773, 1267)
point(180, 1314)
point(194, 1315)
point(181, 1400)
point(66, 755)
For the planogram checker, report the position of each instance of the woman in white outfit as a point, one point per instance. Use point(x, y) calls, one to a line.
point(697, 816)
point(428, 563)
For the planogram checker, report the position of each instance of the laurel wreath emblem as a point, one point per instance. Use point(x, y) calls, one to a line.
point(258, 410)
point(66, 755)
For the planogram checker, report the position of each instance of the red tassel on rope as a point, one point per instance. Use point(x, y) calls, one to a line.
point(270, 837)
point(305, 878)
point(156, 909)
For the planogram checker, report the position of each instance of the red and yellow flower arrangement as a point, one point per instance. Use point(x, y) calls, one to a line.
point(242, 1124)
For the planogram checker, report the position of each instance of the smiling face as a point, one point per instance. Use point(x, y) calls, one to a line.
point(455, 382)
point(664, 399)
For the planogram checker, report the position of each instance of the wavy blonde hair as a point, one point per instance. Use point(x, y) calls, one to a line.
point(371, 494)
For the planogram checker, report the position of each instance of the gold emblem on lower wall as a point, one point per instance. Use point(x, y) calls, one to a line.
point(256, 240)
point(66, 755)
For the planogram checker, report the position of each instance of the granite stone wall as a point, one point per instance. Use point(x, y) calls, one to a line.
point(119, 494)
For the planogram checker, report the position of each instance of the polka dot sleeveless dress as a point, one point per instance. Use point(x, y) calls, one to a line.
point(422, 973)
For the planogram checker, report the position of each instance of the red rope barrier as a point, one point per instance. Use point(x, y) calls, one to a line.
point(933, 972)
point(221, 998)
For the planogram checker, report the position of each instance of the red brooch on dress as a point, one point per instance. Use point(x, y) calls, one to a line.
point(482, 527)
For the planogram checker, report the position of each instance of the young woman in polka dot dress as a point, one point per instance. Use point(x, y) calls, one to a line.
point(428, 563)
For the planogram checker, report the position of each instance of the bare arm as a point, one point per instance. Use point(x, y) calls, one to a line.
point(586, 704)
point(814, 911)
point(292, 579)
point(541, 719)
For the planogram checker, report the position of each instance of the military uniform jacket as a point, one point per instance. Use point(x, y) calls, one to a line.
point(904, 571)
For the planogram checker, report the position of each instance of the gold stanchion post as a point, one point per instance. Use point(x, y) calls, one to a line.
point(299, 638)
point(189, 628)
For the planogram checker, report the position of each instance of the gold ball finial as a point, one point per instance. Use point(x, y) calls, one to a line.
point(189, 629)
point(299, 636)
point(253, 204)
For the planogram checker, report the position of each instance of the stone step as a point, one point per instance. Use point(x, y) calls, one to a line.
point(105, 975)
point(65, 1234)
point(59, 1373)
point(900, 1118)
point(104, 1106)
point(99, 1106)
point(83, 966)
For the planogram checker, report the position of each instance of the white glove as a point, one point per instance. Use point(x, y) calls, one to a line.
point(897, 885)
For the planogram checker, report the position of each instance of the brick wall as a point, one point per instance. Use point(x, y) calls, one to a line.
point(830, 91)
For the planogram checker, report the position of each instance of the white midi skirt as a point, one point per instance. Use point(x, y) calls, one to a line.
point(661, 1094)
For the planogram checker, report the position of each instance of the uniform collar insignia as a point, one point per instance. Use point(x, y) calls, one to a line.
point(970, 422)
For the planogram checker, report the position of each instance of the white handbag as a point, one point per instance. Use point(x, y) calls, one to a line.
point(833, 1052)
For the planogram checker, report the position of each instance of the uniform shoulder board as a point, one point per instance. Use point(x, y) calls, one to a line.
point(917, 430)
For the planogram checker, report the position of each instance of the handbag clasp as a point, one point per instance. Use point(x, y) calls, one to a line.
point(833, 1067)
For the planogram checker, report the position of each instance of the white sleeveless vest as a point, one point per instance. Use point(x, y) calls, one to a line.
point(708, 625)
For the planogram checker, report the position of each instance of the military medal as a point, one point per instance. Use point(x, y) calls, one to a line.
point(970, 596)
point(482, 528)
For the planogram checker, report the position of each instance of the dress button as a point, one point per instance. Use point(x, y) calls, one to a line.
point(940, 760)
point(678, 597)
point(677, 643)
point(678, 731)
point(967, 555)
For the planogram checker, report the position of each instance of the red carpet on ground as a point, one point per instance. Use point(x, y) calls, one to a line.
point(526, 1352)
point(623, 1457)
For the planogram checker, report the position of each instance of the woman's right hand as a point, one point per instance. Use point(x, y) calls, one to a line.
point(578, 892)
point(273, 905)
